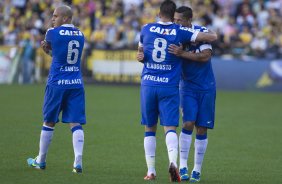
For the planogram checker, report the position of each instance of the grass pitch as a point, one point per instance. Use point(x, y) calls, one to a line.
point(244, 147)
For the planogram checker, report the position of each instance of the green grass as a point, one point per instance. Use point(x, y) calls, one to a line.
point(244, 147)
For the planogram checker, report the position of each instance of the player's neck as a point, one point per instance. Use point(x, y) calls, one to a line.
point(163, 19)
point(187, 25)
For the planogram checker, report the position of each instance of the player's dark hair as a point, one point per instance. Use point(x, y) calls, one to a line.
point(186, 12)
point(167, 9)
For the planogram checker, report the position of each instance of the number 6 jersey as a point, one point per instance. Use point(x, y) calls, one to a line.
point(160, 67)
point(67, 44)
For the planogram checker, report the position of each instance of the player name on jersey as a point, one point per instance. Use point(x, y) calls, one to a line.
point(69, 69)
point(70, 33)
point(158, 66)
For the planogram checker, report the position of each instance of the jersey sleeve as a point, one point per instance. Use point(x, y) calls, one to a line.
point(48, 35)
point(140, 44)
point(204, 45)
point(188, 34)
point(204, 29)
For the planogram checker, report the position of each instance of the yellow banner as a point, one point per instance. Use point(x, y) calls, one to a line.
point(115, 66)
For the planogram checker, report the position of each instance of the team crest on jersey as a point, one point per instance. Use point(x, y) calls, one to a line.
point(162, 31)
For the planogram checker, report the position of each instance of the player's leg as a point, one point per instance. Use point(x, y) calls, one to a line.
point(51, 111)
point(45, 140)
point(185, 140)
point(46, 136)
point(205, 120)
point(78, 143)
point(189, 107)
point(73, 112)
point(150, 151)
point(169, 119)
point(171, 140)
point(149, 110)
point(200, 144)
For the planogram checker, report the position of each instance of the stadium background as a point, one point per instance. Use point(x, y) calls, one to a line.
point(245, 146)
point(249, 31)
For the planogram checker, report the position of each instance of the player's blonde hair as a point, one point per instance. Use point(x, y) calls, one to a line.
point(65, 11)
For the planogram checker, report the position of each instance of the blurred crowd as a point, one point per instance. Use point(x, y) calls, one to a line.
point(245, 27)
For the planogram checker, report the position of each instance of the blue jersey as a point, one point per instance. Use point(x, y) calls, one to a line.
point(160, 67)
point(67, 44)
point(197, 76)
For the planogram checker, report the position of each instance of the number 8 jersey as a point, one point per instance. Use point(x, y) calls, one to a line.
point(160, 67)
point(67, 44)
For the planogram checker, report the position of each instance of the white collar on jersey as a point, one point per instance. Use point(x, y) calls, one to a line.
point(67, 25)
point(165, 23)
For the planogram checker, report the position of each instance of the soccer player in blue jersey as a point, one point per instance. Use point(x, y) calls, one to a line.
point(159, 83)
point(197, 96)
point(64, 90)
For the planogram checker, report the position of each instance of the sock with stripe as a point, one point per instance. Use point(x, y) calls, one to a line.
point(185, 139)
point(45, 140)
point(150, 151)
point(172, 146)
point(201, 143)
point(78, 142)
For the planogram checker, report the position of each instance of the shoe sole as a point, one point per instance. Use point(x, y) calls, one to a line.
point(149, 178)
point(38, 167)
point(174, 175)
point(194, 181)
point(35, 166)
point(184, 179)
point(77, 171)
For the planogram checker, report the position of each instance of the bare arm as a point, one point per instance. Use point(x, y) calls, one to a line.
point(140, 55)
point(206, 37)
point(46, 47)
point(203, 56)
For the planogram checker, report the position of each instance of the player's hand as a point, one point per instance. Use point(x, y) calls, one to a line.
point(140, 57)
point(45, 46)
point(176, 50)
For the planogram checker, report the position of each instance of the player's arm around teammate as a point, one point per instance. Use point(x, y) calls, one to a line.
point(203, 37)
point(197, 94)
point(202, 56)
point(194, 112)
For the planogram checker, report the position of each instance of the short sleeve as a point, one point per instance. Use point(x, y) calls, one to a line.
point(48, 36)
point(141, 36)
point(189, 34)
point(205, 46)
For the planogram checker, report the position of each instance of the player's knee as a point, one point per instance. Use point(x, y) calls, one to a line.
point(188, 125)
point(169, 128)
point(74, 125)
point(49, 124)
point(201, 130)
